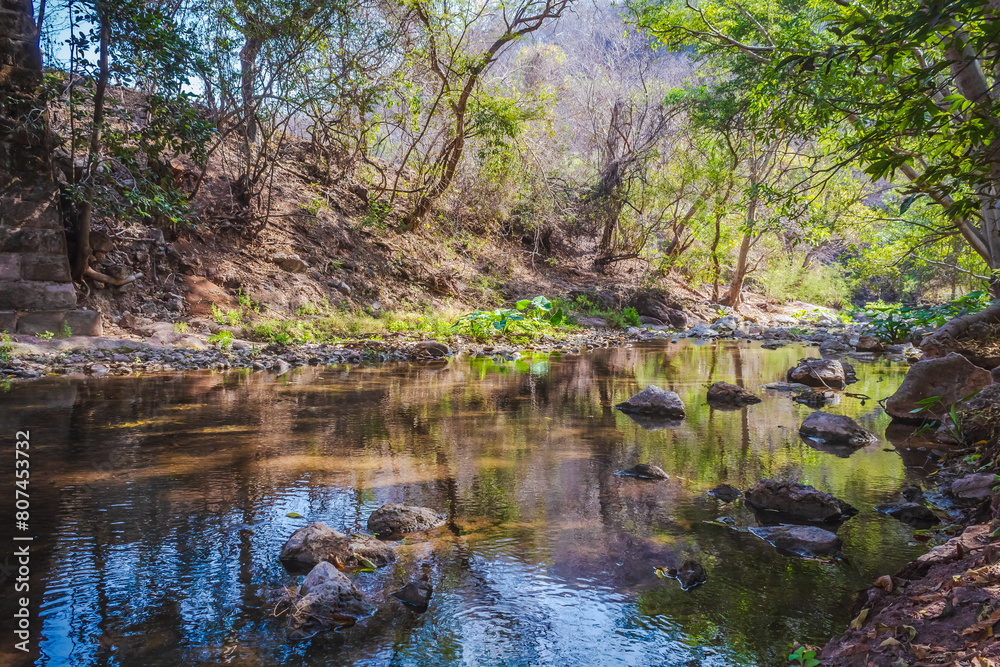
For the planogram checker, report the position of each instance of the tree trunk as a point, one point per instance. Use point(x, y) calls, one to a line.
point(736, 288)
point(83, 250)
point(248, 76)
point(943, 340)
point(715, 258)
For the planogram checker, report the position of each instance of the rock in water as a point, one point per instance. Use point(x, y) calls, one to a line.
point(723, 393)
point(396, 519)
point(316, 542)
point(690, 574)
point(432, 348)
point(797, 501)
point(808, 541)
point(836, 430)
point(975, 486)
point(646, 471)
point(326, 599)
point(725, 493)
point(656, 401)
point(309, 545)
point(819, 373)
point(416, 594)
point(912, 514)
point(870, 344)
point(952, 378)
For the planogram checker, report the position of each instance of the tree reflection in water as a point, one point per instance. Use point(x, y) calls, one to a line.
point(163, 503)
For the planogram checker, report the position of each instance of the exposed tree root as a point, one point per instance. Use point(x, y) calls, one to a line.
point(945, 339)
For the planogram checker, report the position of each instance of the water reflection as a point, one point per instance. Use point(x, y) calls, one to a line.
point(162, 504)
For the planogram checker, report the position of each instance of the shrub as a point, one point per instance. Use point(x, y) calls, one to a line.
point(893, 321)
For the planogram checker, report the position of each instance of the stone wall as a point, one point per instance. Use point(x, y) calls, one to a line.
point(36, 293)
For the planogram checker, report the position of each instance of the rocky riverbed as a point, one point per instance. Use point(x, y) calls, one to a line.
point(167, 349)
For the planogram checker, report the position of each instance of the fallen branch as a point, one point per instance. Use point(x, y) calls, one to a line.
point(104, 278)
point(945, 338)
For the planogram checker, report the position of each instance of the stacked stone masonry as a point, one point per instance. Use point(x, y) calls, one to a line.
point(36, 293)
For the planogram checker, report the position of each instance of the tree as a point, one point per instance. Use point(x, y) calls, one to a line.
point(452, 70)
point(907, 90)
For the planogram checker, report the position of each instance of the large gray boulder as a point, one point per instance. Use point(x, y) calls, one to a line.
point(796, 501)
point(835, 430)
point(808, 541)
point(951, 378)
point(316, 542)
point(730, 395)
point(326, 599)
point(661, 306)
point(818, 373)
point(394, 519)
point(655, 401)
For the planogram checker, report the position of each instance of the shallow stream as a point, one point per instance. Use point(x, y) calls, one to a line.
point(160, 504)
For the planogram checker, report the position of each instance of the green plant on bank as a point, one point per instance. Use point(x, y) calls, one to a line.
point(46, 335)
point(65, 331)
point(378, 212)
point(626, 317)
point(803, 658)
point(929, 403)
point(223, 339)
point(895, 322)
point(6, 348)
point(528, 318)
point(619, 319)
point(246, 303)
point(180, 327)
point(232, 317)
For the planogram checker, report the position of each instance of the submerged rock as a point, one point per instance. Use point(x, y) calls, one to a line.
point(808, 541)
point(819, 373)
point(317, 542)
point(912, 514)
point(655, 401)
point(836, 430)
point(723, 393)
point(416, 594)
point(798, 501)
point(326, 599)
point(725, 493)
point(396, 518)
point(689, 574)
point(646, 471)
point(952, 378)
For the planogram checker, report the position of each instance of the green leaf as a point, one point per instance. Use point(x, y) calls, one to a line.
point(294, 515)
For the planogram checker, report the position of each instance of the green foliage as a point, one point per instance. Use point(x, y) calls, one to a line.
point(895, 322)
point(6, 348)
point(180, 327)
point(65, 331)
point(377, 214)
point(232, 317)
point(223, 339)
point(46, 335)
point(786, 279)
point(626, 317)
point(803, 658)
point(529, 318)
